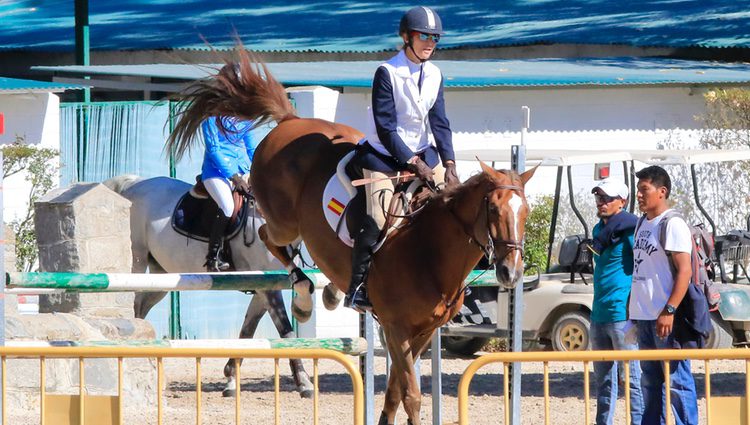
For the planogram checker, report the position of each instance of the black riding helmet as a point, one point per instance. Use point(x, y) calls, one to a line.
point(421, 19)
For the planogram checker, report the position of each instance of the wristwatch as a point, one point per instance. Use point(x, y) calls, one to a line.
point(670, 309)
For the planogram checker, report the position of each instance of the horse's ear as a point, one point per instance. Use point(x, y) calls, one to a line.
point(526, 176)
point(486, 168)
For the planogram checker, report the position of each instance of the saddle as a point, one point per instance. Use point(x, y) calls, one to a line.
point(339, 192)
point(195, 212)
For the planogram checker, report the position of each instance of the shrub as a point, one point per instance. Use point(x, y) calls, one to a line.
point(40, 172)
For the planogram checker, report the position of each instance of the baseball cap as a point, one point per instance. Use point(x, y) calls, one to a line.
point(612, 187)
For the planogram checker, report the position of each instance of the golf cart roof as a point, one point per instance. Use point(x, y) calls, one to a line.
point(546, 157)
point(557, 158)
point(688, 157)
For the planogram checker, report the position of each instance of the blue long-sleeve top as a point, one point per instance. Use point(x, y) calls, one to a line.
point(227, 153)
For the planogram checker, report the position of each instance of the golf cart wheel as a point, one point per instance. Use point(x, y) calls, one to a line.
point(463, 345)
point(571, 332)
point(721, 333)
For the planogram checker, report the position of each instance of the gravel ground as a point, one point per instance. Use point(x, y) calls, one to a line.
point(335, 403)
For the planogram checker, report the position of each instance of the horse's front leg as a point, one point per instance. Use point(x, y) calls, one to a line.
point(255, 312)
point(403, 380)
point(275, 305)
point(302, 304)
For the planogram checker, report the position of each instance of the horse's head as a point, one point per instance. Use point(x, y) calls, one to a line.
point(506, 210)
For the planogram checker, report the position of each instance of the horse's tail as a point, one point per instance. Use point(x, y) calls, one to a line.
point(121, 183)
point(244, 89)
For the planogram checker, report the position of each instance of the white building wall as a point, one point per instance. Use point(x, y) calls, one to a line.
point(571, 118)
point(35, 117)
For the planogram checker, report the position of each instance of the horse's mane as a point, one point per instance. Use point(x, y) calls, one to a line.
point(119, 184)
point(242, 88)
point(447, 195)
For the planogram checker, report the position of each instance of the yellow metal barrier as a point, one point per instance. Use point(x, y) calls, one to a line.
point(740, 405)
point(83, 413)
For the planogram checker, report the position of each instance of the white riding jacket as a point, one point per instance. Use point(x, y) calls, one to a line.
point(412, 106)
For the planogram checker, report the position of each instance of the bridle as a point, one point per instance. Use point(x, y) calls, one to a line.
point(489, 248)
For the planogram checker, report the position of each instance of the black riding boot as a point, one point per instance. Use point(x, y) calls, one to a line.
point(214, 263)
point(364, 242)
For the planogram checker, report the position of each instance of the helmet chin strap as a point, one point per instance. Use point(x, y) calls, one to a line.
point(411, 46)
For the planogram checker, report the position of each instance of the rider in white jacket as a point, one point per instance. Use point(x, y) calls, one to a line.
point(408, 131)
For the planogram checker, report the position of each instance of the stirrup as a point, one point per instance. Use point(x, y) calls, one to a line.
point(216, 265)
point(358, 300)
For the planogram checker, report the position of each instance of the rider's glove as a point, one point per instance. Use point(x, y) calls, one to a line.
point(420, 169)
point(451, 177)
point(241, 185)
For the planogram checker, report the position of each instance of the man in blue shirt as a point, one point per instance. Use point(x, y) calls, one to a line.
point(613, 269)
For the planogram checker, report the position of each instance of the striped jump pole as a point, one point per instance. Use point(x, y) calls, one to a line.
point(143, 282)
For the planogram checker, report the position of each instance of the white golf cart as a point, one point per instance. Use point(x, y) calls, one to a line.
point(557, 303)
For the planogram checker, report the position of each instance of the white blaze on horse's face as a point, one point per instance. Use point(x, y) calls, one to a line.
point(515, 204)
point(508, 234)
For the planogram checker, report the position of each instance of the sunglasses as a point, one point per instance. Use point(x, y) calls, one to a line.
point(604, 199)
point(425, 37)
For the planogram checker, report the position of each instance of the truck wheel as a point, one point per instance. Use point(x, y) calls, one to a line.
point(571, 332)
point(463, 345)
point(721, 335)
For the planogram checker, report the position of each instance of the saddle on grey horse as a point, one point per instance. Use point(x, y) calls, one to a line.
point(195, 212)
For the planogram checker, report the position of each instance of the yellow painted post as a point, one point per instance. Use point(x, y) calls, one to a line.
point(5, 409)
point(42, 389)
point(626, 365)
point(276, 407)
point(708, 393)
point(198, 389)
point(546, 393)
point(237, 391)
point(587, 401)
point(119, 390)
point(81, 393)
point(315, 392)
point(668, 390)
point(159, 383)
point(747, 389)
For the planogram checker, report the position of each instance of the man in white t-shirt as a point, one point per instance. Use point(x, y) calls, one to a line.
point(656, 293)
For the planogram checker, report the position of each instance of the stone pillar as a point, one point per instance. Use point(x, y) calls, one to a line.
point(85, 228)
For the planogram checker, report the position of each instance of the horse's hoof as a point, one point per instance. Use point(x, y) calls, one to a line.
point(302, 316)
point(228, 393)
point(331, 297)
point(306, 393)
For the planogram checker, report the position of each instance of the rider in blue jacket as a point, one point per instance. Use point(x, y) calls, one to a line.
point(229, 152)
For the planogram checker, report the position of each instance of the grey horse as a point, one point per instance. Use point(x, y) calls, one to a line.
point(158, 247)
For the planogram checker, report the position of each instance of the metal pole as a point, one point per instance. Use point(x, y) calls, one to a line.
point(83, 46)
point(573, 206)
point(2, 273)
point(555, 212)
point(698, 200)
point(366, 366)
point(515, 296)
point(437, 379)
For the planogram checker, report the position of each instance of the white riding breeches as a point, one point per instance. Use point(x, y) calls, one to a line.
point(220, 190)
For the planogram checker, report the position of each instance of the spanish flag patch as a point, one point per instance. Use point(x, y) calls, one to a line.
point(336, 206)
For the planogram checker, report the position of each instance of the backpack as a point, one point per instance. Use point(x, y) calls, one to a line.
point(704, 269)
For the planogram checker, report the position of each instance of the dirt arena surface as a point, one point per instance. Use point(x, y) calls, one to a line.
point(335, 402)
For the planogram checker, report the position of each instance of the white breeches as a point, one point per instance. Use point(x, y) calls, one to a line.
point(221, 191)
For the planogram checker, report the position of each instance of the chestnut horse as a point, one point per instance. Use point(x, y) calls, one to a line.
point(416, 279)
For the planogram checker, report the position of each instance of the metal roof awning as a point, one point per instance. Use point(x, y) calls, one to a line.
point(14, 85)
point(559, 158)
point(689, 157)
point(550, 72)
